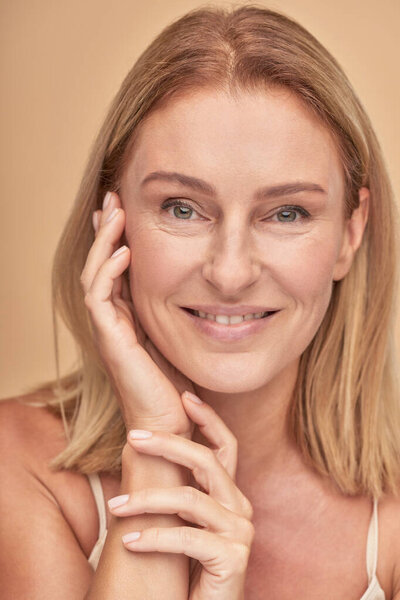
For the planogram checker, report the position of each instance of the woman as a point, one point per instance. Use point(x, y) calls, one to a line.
point(243, 250)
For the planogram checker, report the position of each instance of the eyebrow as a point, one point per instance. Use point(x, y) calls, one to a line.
point(274, 191)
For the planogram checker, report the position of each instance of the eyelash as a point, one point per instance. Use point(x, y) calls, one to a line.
point(175, 202)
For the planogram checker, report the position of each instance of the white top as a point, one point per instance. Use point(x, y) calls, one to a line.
point(373, 592)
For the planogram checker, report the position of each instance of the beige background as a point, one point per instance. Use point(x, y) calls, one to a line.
point(61, 64)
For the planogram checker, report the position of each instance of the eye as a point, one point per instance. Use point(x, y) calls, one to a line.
point(181, 210)
point(288, 214)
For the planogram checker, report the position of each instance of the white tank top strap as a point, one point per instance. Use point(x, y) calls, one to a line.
point(372, 543)
point(97, 490)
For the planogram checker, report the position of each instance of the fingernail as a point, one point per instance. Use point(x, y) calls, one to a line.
point(192, 397)
point(119, 251)
point(131, 537)
point(118, 501)
point(95, 221)
point(106, 200)
point(112, 215)
point(139, 434)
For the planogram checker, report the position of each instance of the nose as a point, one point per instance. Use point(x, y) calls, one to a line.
point(231, 265)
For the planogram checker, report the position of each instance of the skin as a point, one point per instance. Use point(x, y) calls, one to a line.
point(234, 249)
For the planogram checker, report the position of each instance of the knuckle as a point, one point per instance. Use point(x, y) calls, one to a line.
point(82, 279)
point(186, 535)
point(241, 556)
point(189, 495)
point(88, 300)
point(249, 530)
point(234, 443)
point(228, 452)
point(247, 508)
point(156, 534)
point(209, 458)
point(205, 460)
point(143, 496)
point(224, 453)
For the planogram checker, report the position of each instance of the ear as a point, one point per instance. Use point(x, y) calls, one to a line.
point(352, 236)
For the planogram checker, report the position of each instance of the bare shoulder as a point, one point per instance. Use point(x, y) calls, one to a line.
point(31, 437)
point(30, 432)
point(39, 499)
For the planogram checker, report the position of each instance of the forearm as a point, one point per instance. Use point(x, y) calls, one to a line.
point(142, 575)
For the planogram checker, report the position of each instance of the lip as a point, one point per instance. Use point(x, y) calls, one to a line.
point(220, 309)
point(229, 333)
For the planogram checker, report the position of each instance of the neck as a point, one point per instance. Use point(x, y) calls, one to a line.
point(259, 419)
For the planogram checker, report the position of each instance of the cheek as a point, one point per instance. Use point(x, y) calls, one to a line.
point(158, 264)
point(304, 268)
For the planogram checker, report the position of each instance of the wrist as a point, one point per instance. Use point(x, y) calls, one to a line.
point(142, 470)
point(183, 427)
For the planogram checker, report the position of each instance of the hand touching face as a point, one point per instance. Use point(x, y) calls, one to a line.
point(259, 222)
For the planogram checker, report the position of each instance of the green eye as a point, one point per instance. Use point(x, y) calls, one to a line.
point(291, 214)
point(287, 215)
point(181, 211)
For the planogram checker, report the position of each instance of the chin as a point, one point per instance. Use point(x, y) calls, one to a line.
point(229, 380)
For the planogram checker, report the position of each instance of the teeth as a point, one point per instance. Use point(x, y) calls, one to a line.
point(227, 320)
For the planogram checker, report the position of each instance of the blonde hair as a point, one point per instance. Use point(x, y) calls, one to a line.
point(345, 414)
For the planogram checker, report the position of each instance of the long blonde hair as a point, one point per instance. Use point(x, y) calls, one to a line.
point(345, 413)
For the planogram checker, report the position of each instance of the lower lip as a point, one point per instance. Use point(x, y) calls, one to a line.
point(229, 333)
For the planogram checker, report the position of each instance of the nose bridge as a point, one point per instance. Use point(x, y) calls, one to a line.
point(232, 238)
point(232, 263)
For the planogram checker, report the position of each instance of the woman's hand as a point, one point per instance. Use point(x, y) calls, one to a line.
point(147, 386)
point(222, 544)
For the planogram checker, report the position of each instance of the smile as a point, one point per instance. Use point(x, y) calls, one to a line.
point(229, 320)
point(229, 328)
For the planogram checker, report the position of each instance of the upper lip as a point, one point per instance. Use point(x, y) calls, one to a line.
point(219, 309)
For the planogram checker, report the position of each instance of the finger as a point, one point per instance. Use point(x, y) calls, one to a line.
point(117, 289)
point(202, 462)
point(111, 201)
point(96, 221)
point(214, 429)
point(127, 298)
point(103, 246)
point(98, 298)
point(125, 291)
point(218, 555)
point(188, 503)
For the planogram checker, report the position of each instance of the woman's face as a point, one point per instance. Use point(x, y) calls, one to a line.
point(280, 250)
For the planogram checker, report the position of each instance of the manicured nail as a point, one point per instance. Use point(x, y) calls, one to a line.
point(192, 397)
point(106, 200)
point(112, 215)
point(119, 251)
point(139, 434)
point(131, 537)
point(118, 501)
point(95, 221)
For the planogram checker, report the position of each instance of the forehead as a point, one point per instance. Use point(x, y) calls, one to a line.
point(269, 136)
